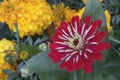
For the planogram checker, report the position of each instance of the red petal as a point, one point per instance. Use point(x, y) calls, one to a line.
point(63, 64)
point(75, 65)
point(79, 23)
point(64, 26)
point(56, 56)
point(99, 47)
point(95, 26)
point(102, 46)
point(87, 68)
point(66, 64)
point(90, 57)
point(54, 46)
point(98, 56)
point(75, 19)
point(87, 22)
point(99, 36)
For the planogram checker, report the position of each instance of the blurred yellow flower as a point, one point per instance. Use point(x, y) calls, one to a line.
point(69, 13)
point(32, 16)
point(5, 47)
point(23, 55)
point(85, 1)
point(108, 18)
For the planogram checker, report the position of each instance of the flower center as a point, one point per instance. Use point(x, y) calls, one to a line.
point(76, 42)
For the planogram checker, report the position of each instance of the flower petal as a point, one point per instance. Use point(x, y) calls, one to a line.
point(98, 56)
point(95, 25)
point(87, 68)
point(99, 36)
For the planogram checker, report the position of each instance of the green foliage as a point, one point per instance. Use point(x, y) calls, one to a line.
point(114, 8)
point(46, 69)
point(111, 66)
point(74, 4)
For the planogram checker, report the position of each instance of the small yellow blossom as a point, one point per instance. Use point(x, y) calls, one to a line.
point(23, 55)
point(85, 1)
point(5, 45)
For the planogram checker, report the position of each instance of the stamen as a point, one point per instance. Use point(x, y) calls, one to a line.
point(85, 55)
point(90, 37)
point(62, 43)
point(69, 50)
point(70, 55)
point(93, 43)
point(77, 58)
point(70, 31)
point(87, 31)
point(65, 33)
point(59, 48)
point(80, 52)
point(62, 38)
point(89, 50)
point(83, 27)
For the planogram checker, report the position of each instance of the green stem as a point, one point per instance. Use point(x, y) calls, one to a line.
point(17, 35)
point(114, 40)
point(97, 71)
point(75, 74)
point(82, 75)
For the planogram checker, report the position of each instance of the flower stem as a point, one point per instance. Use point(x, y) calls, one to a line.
point(114, 40)
point(82, 75)
point(17, 35)
point(79, 75)
point(75, 75)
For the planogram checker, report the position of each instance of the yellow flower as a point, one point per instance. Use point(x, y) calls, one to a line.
point(69, 13)
point(85, 1)
point(23, 55)
point(58, 13)
point(8, 12)
point(31, 20)
point(108, 18)
point(5, 45)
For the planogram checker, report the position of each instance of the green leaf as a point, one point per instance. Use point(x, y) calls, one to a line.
point(74, 4)
point(12, 76)
point(46, 69)
point(81, 75)
point(113, 60)
point(94, 9)
point(112, 64)
point(111, 77)
point(7, 71)
point(9, 58)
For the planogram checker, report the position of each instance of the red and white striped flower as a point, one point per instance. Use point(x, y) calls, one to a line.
point(77, 43)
